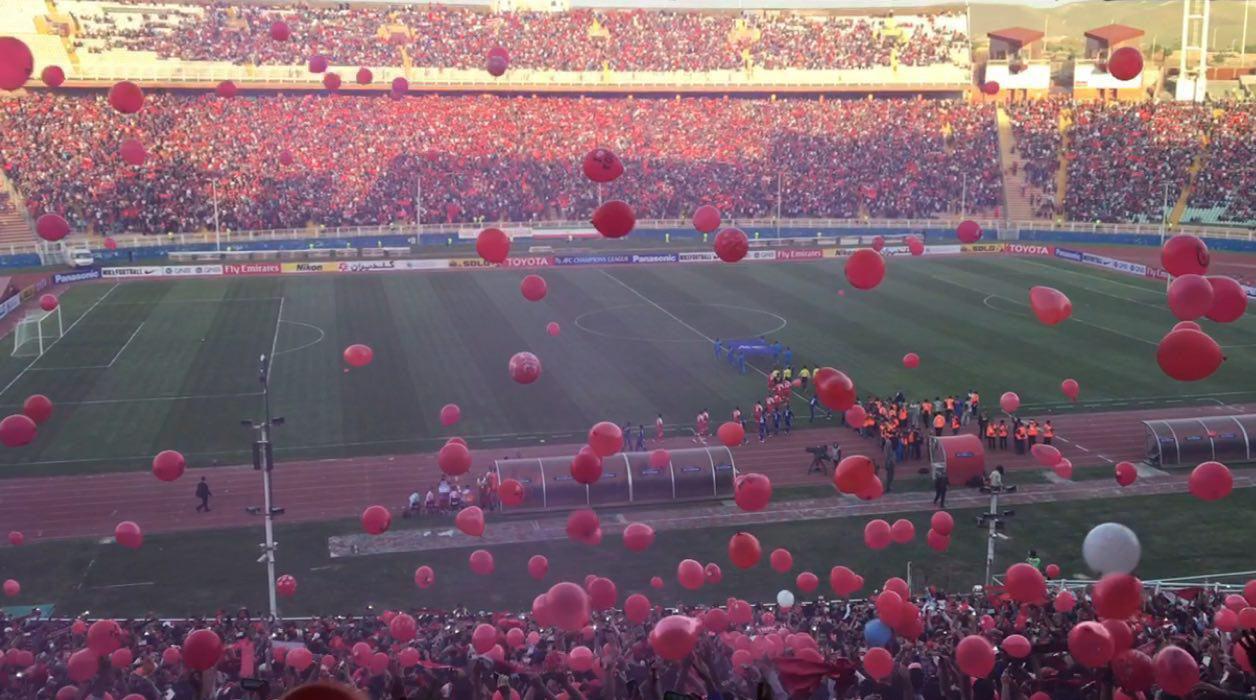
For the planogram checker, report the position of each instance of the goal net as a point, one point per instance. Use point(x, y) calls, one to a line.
point(36, 332)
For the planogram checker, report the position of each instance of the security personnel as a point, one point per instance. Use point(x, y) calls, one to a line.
point(1002, 435)
point(950, 407)
point(939, 422)
point(1020, 438)
point(1048, 433)
point(1032, 432)
point(926, 413)
point(955, 424)
point(991, 433)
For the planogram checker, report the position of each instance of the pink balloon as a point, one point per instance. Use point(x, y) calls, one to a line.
point(376, 520)
point(553, 329)
point(424, 576)
point(569, 605)
point(674, 637)
point(911, 360)
point(1070, 388)
point(1118, 596)
point(450, 414)
point(843, 581)
point(781, 560)
point(690, 575)
point(1190, 297)
point(807, 582)
point(1176, 670)
point(712, 574)
point(1009, 402)
point(1017, 646)
point(937, 541)
point(524, 367)
point(638, 537)
point(706, 219)
point(538, 566)
point(483, 637)
point(454, 459)
point(1065, 601)
point(584, 526)
point(637, 608)
point(877, 534)
point(1025, 584)
point(603, 594)
point(580, 659)
point(533, 288)
point(481, 562)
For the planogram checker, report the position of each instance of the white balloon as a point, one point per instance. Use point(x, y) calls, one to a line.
point(785, 599)
point(1112, 548)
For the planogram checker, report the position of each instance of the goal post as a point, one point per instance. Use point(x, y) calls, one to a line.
point(36, 332)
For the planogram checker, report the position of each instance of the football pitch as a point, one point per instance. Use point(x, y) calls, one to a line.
point(173, 364)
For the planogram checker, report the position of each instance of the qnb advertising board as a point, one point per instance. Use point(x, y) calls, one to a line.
point(627, 477)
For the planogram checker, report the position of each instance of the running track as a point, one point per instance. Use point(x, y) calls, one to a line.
point(90, 506)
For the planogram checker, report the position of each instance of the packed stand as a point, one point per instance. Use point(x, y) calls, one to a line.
point(577, 40)
point(1038, 131)
point(360, 160)
point(817, 649)
point(1228, 176)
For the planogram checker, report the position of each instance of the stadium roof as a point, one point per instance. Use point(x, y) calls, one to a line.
point(1114, 33)
point(1016, 35)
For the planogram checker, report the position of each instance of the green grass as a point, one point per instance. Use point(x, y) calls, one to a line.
point(192, 573)
point(188, 375)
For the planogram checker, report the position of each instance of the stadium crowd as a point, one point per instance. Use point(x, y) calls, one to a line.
point(1227, 177)
point(813, 649)
point(1039, 135)
point(576, 40)
point(360, 160)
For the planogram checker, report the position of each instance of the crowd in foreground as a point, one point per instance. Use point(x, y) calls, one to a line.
point(816, 649)
point(576, 40)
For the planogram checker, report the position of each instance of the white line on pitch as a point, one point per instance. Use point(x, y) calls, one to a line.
point(125, 345)
point(58, 338)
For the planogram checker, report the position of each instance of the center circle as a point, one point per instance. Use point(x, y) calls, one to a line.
point(624, 321)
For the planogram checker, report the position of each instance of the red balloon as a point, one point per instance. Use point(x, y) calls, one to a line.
point(510, 492)
point(969, 231)
point(16, 63)
point(126, 97)
point(937, 541)
point(854, 474)
point(481, 562)
point(376, 519)
point(493, 245)
point(878, 243)
point(1176, 670)
point(1070, 388)
point(279, 31)
point(12, 588)
point(1046, 455)
point(603, 594)
point(706, 219)
point(110, 244)
point(715, 620)
point(569, 606)
point(1064, 601)
point(37, 407)
point(855, 416)
point(498, 61)
point(911, 360)
point(358, 355)
point(606, 439)
point(744, 550)
point(865, 269)
point(1063, 468)
point(1235, 602)
point(874, 491)
point(454, 459)
point(286, 585)
point(690, 574)
point(1229, 300)
point(449, 414)
point(834, 389)
point(674, 637)
point(132, 152)
point(1249, 592)
point(877, 534)
point(1009, 402)
point(1017, 646)
point(171, 656)
point(201, 650)
point(52, 76)
point(1122, 637)
point(299, 659)
point(226, 89)
point(975, 656)
point(660, 458)
point(331, 81)
point(731, 434)
point(602, 165)
point(524, 367)
point(538, 566)
point(807, 582)
point(82, 666)
point(1053, 571)
point(990, 87)
point(878, 663)
point(1133, 671)
point(16, 538)
point(17, 430)
point(614, 219)
point(1190, 296)
point(637, 608)
point(915, 246)
point(638, 537)
point(781, 560)
point(365, 76)
point(752, 492)
point(902, 531)
point(731, 245)
point(553, 329)
point(1125, 63)
point(586, 466)
point(1090, 644)
point(942, 523)
point(1184, 254)
point(1186, 324)
point(1211, 481)
point(168, 465)
point(584, 526)
point(1247, 618)
point(51, 227)
point(1118, 596)
point(424, 576)
point(533, 288)
point(888, 604)
point(843, 581)
point(128, 534)
point(48, 302)
point(1050, 305)
point(470, 521)
point(400, 86)
point(103, 637)
point(1025, 584)
point(1188, 355)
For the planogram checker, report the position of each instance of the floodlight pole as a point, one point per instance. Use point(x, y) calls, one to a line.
point(991, 520)
point(263, 460)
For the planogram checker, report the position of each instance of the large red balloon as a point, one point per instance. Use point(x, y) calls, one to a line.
point(533, 288)
point(915, 246)
point(169, 465)
point(538, 566)
point(744, 550)
point(975, 656)
point(843, 581)
point(364, 76)
point(1133, 671)
point(1211, 481)
point(400, 86)
point(1064, 601)
point(48, 302)
point(201, 650)
point(376, 520)
point(731, 434)
point(690, 574)
point(969, 231)
point(524, 367)
point(1176, 670)
point(731, 245)
point(497, 62)
point(1070, 388)
point(358, 355)
point(132, 152)
point(781, 560)
point(1017, 646)
point(752, 492)
point(606, 438)
point(1184, 254)
point(128, 534)
point(449, 414)
point(603, 594)
point(1050, 305)
point(942, 522)
point(16, 63)
point(454, 458)
point(53, 76)
point(614, 219)
point(865, 269)
point(911, 360)
point(1118, 596)
point(638, 537)
point(568, 605)
point(854, 474)
point(286, 585)
point(834, 389)
point(1188, 356)
point(807, 582)
point(602, 165)
point(52, 227)
point(1229, 300)
point(126, 97)
point(990, 87)
point(226, 89)
point(877, 534)
point(1126, 473)
point(878, 663)
point(17, 430)
point(1091, 645)
point(481, 562)
point(855, 416)
point(331, 81)
point(1190, 296)
point(902, 531)
point(674, 637)
point(493, 245)
point(82, 666)
point(279, 31)
point(12, 588)
point(637, 608)
point(584, 526)
point(1046, 455)
point(1025, 584)
point(470, 521)
point(586, 466)
point(1125, 63)
point(424, 576)
point(103, 637)
point(37, 407)
point(706, 219)
point(937, 541)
